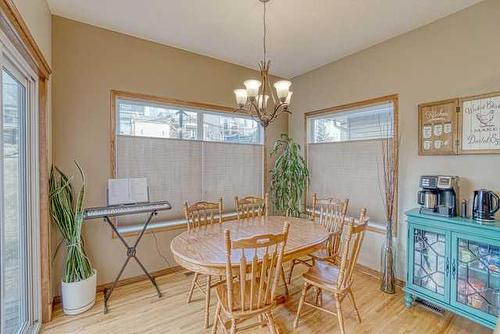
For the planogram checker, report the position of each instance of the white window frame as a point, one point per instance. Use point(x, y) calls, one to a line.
point(324, 113)
point(311, 135)
point(200, 119)
point(116, 96)
point(14, 62)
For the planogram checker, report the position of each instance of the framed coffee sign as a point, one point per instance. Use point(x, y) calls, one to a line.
point(466, 125)
point(480, 124)
point(438, 128)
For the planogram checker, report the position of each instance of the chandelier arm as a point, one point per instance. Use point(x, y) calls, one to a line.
point(273, 93)
point(256, 107)
point(276, 110)
point(264, 79)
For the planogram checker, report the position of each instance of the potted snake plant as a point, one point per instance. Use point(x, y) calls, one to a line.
point(78, 286)
point(289, 177)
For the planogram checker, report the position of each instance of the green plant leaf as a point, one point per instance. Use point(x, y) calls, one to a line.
point(289, 176)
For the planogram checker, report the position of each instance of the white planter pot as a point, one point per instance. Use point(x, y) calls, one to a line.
point(78, 297)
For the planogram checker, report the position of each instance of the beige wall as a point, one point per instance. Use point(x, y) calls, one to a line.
point(455, 56)
point(88, 63)
point(37, 16)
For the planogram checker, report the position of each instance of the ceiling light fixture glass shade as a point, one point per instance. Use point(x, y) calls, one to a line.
point(254, 99)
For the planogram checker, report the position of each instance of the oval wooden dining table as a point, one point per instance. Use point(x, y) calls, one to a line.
point(202, 250)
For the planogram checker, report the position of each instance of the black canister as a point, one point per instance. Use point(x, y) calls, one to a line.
point(463, 208)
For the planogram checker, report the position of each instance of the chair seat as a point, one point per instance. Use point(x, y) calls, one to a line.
point(323, 274)
point(221, 291)
point(321, 254)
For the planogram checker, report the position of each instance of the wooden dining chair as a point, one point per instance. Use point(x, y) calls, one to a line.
point(330, 213)
point(252, 206)
point(198, 215)
point(336, 278)
point(250, 287)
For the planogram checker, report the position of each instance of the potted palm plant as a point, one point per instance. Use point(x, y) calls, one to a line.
point(78, 286)
point(289, 176)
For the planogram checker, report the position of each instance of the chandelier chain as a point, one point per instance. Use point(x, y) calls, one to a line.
point(265, 33)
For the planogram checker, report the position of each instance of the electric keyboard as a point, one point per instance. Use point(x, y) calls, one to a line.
point(125, 209)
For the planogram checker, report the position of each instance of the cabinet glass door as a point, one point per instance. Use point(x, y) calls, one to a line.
point(477, 275)
point(429, 270)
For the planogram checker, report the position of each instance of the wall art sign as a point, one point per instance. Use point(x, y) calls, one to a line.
point(480, 124)
point(438, 128)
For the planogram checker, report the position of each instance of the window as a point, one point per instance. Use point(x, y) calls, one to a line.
point(187, 154)
point(19, 293)
point(363, 123)
point(344, 153)
point(143, 119)
point(217, 127)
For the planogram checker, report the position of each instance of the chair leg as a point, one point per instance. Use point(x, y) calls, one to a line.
point(291, 271)
point(356, 311)
point(270, 323)
point(301, 304)
point(193, 284)
point(216, 318)
point(319, 297)
point(284, 280)
point(233, 326)
point(207, 301)
point(339, 313)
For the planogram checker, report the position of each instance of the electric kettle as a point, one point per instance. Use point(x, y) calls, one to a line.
point(485, 204)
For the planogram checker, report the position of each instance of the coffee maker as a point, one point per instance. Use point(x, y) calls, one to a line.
point(439, 195)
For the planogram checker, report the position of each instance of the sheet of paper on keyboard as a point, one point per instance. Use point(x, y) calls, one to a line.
point(138, 190)
point(127, 191)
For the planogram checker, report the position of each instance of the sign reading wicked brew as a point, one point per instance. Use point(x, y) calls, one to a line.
point(480, 124)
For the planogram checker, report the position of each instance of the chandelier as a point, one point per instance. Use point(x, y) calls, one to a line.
point(254, 99)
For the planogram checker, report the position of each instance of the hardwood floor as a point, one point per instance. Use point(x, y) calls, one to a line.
point(135, 308)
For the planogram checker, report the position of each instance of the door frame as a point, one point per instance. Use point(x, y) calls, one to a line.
point(15, 28)
point(17, 67)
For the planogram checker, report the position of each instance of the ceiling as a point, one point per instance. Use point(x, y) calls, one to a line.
point(302, 34)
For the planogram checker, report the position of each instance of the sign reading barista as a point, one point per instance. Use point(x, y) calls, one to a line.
point(481, 124)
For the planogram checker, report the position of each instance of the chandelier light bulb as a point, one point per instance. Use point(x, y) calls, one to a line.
point(241, 97)
point(252, 87)
point(282, 89)
point(288, 97)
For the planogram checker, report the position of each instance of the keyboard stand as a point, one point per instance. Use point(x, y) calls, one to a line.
point(131, 253)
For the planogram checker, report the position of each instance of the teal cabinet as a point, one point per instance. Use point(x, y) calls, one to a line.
point(454, 263)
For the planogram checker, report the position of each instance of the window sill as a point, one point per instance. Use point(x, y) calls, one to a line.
point(163, 226)
point(180, 224)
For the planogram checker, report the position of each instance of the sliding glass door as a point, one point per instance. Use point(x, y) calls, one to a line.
point(13, 203)
point(18, 232)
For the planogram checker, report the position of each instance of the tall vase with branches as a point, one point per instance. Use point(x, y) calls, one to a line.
point(390, 164)
point(289, 176)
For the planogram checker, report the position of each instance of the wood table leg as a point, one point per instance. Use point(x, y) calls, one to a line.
point(207, 301)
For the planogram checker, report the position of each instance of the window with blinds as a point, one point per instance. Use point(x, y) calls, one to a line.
point(344, 154)
point(364, 123)
point(188, 154)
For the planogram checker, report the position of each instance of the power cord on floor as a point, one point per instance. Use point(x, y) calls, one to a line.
point(158, 250)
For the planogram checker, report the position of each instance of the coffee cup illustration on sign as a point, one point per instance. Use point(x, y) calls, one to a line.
point(438, 130)
point(427, 145)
